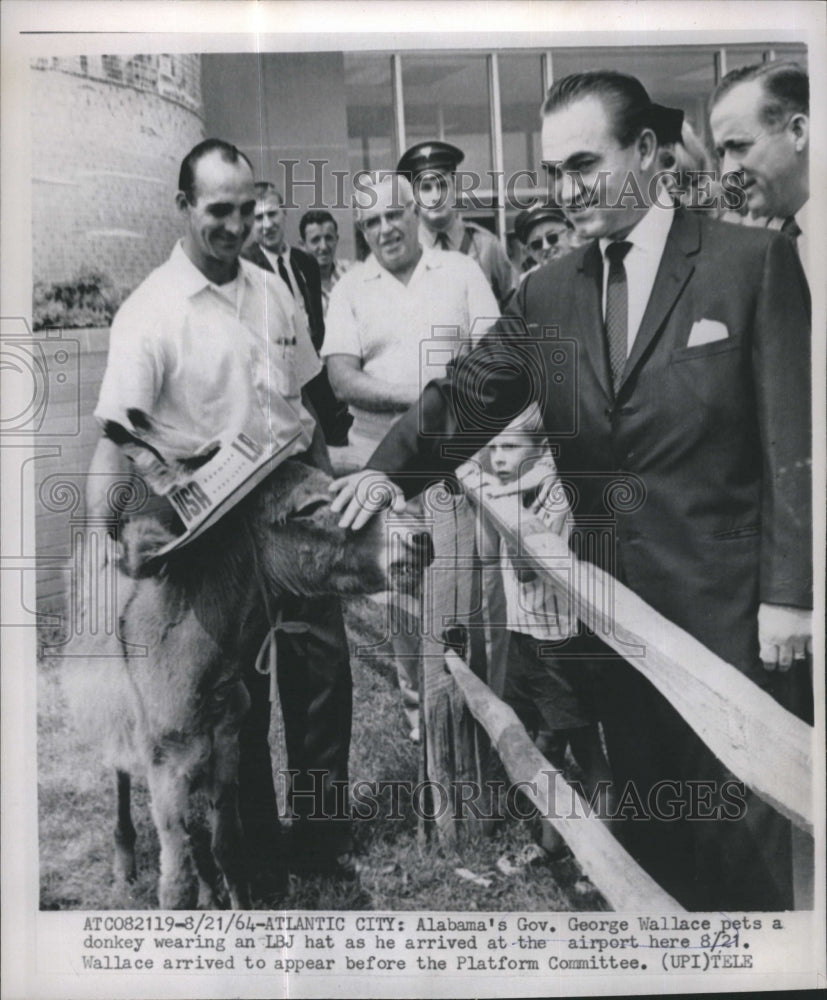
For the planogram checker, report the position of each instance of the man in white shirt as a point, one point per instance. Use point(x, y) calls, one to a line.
point(394, 322)
point(209, 345)
point(671, 354)
point(760, 120)
point(320, 238)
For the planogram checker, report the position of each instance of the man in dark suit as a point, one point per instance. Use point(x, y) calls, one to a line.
point(300, 272)
point(671, 355)
point(298, 269)
point(760, 121)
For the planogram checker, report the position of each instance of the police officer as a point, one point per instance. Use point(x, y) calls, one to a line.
point(430, 167)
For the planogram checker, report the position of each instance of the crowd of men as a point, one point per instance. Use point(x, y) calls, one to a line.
point(688, 340)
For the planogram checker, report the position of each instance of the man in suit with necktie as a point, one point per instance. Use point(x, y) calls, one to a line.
point(297, 269)
point(670, 354)
point(760, 120)
point(300, 273)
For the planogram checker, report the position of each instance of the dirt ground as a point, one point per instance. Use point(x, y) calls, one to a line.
point(398, 869)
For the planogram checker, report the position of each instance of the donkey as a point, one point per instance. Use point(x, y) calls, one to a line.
point(170, 704)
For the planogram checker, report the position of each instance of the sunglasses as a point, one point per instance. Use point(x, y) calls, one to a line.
point(551, 240)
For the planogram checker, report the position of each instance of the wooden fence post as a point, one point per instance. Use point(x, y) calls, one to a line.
point(452, 597)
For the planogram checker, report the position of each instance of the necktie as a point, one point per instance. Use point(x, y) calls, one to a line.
point(442, 240)
point(617, 309)
point(285, 275)
point(792, 230)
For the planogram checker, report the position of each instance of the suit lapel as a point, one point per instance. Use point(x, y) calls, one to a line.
point(298, 269)
point(588, 295)
point(675, 268)
point(258, 256)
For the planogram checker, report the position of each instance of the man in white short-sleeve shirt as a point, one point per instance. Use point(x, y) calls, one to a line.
point(209, 345)
point(195, 355)
point(395, 320)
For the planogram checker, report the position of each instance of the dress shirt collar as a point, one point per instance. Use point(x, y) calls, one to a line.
point(429, 260)
point(189, 280)
point(650, 234)
point(455, 233)
point(274, 257)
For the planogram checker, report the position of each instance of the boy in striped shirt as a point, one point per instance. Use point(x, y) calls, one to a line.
point(551, 697)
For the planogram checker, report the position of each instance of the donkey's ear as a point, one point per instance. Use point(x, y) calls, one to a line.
point(120, 436)
point(139, 420)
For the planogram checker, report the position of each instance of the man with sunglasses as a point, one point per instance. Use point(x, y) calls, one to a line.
point(545, 234)
point(760, 120)
point(430, 167)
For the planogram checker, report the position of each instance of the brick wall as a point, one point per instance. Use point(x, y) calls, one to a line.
point(105, 160)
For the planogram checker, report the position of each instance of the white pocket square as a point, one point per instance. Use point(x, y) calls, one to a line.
point(705, 331)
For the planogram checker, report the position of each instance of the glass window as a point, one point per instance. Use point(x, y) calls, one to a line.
point(446, 97)
point(370, 121)
point(142, 71)
point(521, 94)
point(681, 76)
point(749, 55)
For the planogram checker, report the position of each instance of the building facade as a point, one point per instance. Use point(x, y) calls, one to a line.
point(109, 132)
point(349, 111)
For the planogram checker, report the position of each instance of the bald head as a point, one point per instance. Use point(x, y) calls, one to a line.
point(388, 217)
point(389, 190)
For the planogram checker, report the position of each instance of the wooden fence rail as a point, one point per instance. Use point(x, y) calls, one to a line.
point(762, 743)
point(615, 872)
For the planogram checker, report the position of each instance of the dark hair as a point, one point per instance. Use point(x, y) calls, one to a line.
point(315, 217)
point(265, 188)
point(186, 175)
point(625, 99)
point(786, 88)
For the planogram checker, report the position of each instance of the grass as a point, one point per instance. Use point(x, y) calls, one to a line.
point(399, 871)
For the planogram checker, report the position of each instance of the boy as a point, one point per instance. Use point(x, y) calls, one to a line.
point(552, 699)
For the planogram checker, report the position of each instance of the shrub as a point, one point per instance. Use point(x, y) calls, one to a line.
point(90, 299)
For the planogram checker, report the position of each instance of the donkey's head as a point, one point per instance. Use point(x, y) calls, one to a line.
point(306, 552)
point(286, 531)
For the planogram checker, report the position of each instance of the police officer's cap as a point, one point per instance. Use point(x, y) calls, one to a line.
point(538, 212)
point(431, 155)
